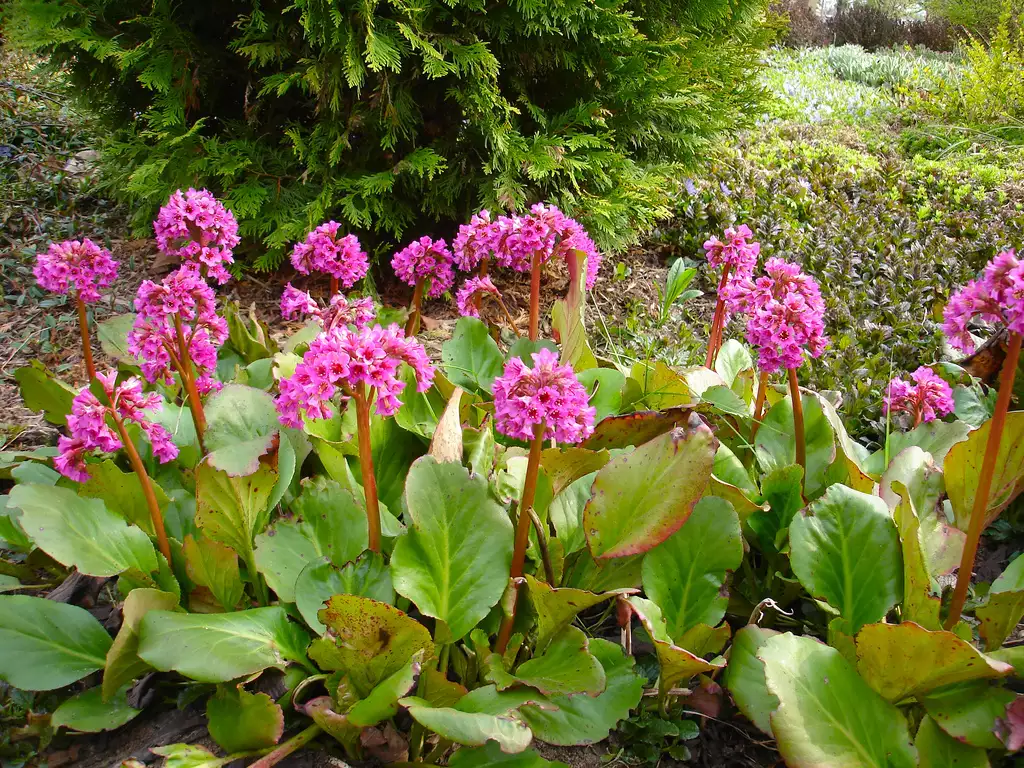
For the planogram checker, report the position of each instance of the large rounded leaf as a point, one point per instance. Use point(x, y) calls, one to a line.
point(566, 667)
point(367, 576)
point(240, 721)
point(635, 428)
point(219, 647)
point(744, 676)
point(123, 663)
point(556, 608)
point(845, 550)
point(937, 749)
point(1004, 607)
point(827, 714)
point(775, 445)
point(972, 713)
point(641, 498)
point(122, 493)
point(963, 469)
point(491, 756)
point(453, 563)
point(685, 575)
point(904, 660)
point(471, 358)
point(232, 509)
point(242, 425)
point(81, 532)
point(46, 645)
point(88, 712)
point(214, 566)
point(677, 664)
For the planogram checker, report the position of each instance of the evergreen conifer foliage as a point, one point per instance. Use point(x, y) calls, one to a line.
point(403, 115)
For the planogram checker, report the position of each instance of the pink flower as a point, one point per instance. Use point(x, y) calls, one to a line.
point(734, 251)
point(78, 264)
point(786, 315)
point(475, 241)
point(928, 398)
point(198, 228)
point(547, 394)
point(323, 251)
point(89, 431)
point(473, 287)
point(341, 311)
point(428, 260)
point(342, 358)
point(546, 232)
point(184, 295)
point(998, 296)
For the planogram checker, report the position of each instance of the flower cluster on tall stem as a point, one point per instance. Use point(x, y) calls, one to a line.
point(89, 430)
point(537, 404)
point(196, 227)
point(736, 257)
point(361, 364)
point(340, 257)
point(426, 265)
point(996, 297)
point(177, 328)
point(83, 267)
point(926, 397)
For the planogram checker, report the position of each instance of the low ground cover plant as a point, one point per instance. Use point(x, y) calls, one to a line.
point(339, 540)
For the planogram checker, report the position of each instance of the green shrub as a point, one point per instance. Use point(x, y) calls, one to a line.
point(396, 118)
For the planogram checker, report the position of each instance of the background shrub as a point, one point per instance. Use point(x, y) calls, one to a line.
point(872, 28)
point(802, 27)
point(396, 118)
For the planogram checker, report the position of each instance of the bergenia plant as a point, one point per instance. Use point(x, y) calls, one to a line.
point(362, 364)
point(736, 257)
point(340, 257)
point(925, 397)
point(546, 402)
point(196, 227)
point(177, 329)
point(341, 310)
point(426, 265)
point(83, 267)
point(469, 296)
point(89, 430)
point(996, 297)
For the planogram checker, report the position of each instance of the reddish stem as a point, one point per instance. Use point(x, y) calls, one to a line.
point(366, 466)
point(83, 326)
point(334, 287)
point(522, 532)
point(412, 326)
point(188, 381)
point(535, 298)
point(762, 393)
point(988, 469)
point(293, 744)
point(798, 421)
point(718, 322)
point(147, 487)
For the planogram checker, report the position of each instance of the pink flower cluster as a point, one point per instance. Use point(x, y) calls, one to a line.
point(88, 428)
point(473, 287)
point(786, 315)
point(153, 339)
point(341, 311)
point(196, 226)
point(998, 296)
point(323, 251)
point(428, 260)
point(78, 264)
point(547, 394)
point(927, 398)
point(545, 231)
point(475, 241)
point(341, 358)
point(735, 251)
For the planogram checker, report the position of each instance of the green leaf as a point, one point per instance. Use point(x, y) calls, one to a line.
point(122, 493)
point(586, 573)
point(934, 437)
point(744, 677)
point(1004, 607)
point(471, 358)
point(962, 470)
point(904, 660)
point(490, 755)
point(217, 647)
point(420, 411)
point(685, 575)
point(556, 608)
point(782, 490)
point(564, 466)
point(112, 335)
point(190, 756)
point(660, 386)
point(566, 513)
point(252, 339)
point(43, 393)
point(88, 712)
point(81, 532)
point(604, 388)
point(367, 576)
point(46, 645)
point(240, 721)
point(453, 563)
point(936, 749)
point(510, 733)
point(213, 565)
point(677, 664)
point(382, 703)
point(123, 663)
point(846, 551)
point(641, 498)
point(368, 640)
point(635, 428)
point(565, 667)
point(732, 360)
point(970, 712)
point(775, 445)
point(394, 450)
point(827, 714)
point(585, 719)
point(242, 426)
point(12, 535)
